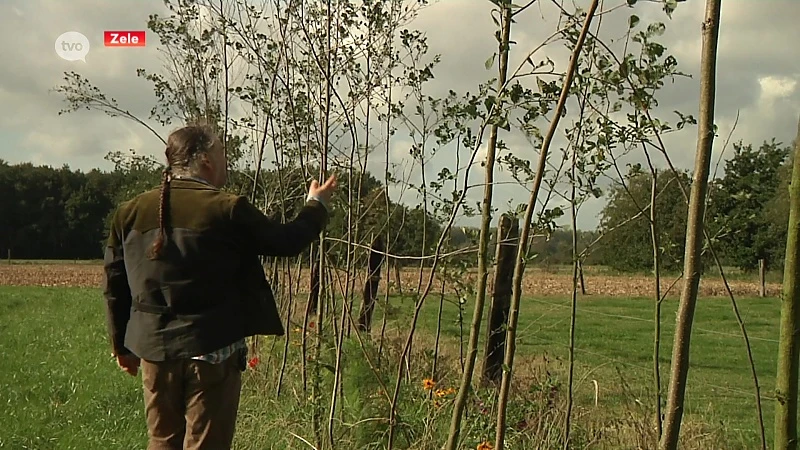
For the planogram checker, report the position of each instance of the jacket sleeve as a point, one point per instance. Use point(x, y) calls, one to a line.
point(116, 290)
point(271, 238)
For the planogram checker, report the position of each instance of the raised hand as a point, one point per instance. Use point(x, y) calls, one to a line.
point(325, 191)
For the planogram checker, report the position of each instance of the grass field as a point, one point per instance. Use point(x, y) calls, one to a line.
point(61, 390)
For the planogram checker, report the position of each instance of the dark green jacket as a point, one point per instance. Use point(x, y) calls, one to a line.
point(208, 289)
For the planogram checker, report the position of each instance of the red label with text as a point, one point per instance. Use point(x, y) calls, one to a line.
point(124, 38)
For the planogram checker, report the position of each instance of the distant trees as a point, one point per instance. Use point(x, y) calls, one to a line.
point(747, 213)
point(52, 213)
point(627, 244)
point(555, 249)
point(61, 213)
point(744, 205)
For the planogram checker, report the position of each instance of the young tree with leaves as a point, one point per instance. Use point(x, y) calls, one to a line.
point(694, 230)
point(786, 392)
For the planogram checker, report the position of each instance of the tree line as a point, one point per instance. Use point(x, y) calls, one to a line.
point(60, 213)
point(746, 217)
point(52, 213)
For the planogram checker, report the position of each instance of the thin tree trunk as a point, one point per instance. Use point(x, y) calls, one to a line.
point(519, 266)
point(227, 77)
point(337, 374)
point(574, 313)
point(434, 375)
point(311, 308)
point(738, 316)
point(460, 334)
point(363, 167)
point(316, 393)
point(789, 344)
point(748, 348)
point(389, 262)
point(289, 308)
point(694, 230)
point(657, 309)
point(486, 218)
point(424, 225)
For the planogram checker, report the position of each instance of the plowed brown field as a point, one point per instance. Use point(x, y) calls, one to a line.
point(536, 281)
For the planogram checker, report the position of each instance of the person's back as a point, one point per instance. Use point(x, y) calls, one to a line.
point(184, 287)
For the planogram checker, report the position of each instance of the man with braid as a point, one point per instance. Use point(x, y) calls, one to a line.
point(184, 287)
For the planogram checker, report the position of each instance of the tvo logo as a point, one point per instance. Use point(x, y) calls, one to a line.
point(72, 46)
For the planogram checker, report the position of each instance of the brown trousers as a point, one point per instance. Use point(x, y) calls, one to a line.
point(191, 405)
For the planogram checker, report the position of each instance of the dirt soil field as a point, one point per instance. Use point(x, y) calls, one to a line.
point(536, 282)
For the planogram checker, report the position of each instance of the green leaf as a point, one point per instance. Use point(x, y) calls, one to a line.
point(623, 70)
point(490, 62)
point(503, 123)
point(633, 20)
point(656, 29)
point(488, 102)
point(670, 6)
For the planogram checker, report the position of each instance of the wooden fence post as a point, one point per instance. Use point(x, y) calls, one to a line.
point(397, 278)
point(762, 272)
point(494, 352)
point(371, 285)
point(583, 282)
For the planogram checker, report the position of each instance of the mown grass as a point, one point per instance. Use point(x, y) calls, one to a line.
point(61, 390)
point(60, 387)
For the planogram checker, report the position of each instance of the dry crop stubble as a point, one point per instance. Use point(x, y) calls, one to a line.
point(537, 282)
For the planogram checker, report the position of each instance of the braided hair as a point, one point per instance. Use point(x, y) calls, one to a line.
point(183, 147)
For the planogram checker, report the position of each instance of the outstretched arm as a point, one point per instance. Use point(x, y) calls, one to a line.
point(272, 238)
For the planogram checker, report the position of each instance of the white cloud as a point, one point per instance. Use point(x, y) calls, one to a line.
point(773, 87)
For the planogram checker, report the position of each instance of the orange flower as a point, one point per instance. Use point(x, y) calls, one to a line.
point(428, 384)
point(253, 362)
point(311, 324)
point(485, 445)
point(445, 392)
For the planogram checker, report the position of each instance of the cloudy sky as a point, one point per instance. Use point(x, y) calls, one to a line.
point(758, 72)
